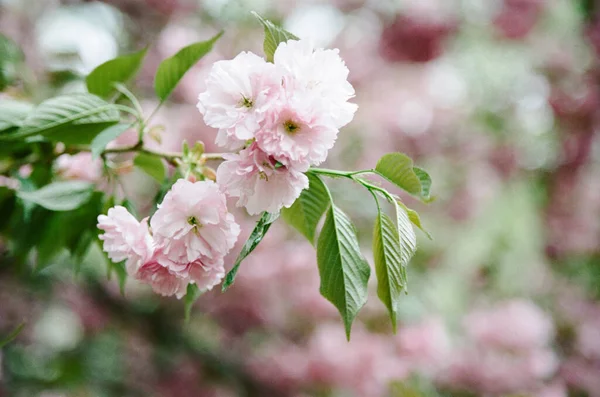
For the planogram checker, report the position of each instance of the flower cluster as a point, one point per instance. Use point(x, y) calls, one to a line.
point(186, 241)
point(285, 116)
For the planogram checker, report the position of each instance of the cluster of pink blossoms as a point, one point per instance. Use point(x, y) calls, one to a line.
point(282, 117)
point(285, 116)
point(186, 241)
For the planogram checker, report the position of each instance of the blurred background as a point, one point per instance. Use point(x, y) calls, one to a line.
point(498, 99)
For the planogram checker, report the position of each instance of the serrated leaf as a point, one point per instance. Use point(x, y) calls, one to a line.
point(12, 113)
point(308, 209)
point(343, 269)
point(105, 137)
point(60, 196)
point(273, 36)
point(415, 219)
point(425, 180)
point(398, 169)
point(151, 165)
point(10, 337)
point(72, 119)
point(172, 69)
point(389, 263)
point(191, 296)
point(260, 230)
point(408, 239)
point(118, 70)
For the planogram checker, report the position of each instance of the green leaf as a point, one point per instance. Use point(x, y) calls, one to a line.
point(425, 180)
point(398, 169)
point(72, 119)
point(273, 36)
point(119, 70)
point(60, 196)
point(308, 209)
point(151, 165)
point(102, 139)
point(11, 60)
point(343, 269)
point(119, 268)
point(415, 219)
point(12, 113)
point(191, 296)
point(10, 337)
point(172, 69)
point(260, 230)
point(390, 251)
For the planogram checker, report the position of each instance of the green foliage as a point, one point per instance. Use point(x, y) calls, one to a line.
point(343, 269)
point(414, 218)
point(10, 337)
point(260, 230)
point(151, 165)
point(74, 118)
point(398, 169)
point(102, 139)
point(191, 296)
point(308, 209)
point(101, 81)
point(172, 69)
point(76, 238)
point(391, 275)
point(425, 180)
point(60, 196)
point(12, 113)
point(273, 36)
point(11, 58)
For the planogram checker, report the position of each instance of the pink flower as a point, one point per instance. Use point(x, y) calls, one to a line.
point(193, 224)
point(298, 130)
point(125, 238)
point(322, 72)
point(80, 166)
point(161, 280)
point(259, 181)
point(238, 93)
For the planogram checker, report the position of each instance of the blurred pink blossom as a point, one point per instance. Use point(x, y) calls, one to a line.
point(517, 324)
point(80, 166)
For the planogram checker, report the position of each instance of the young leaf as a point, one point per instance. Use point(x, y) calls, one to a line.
point(389, 263)
point(151, 165)
point(12, 113)
point(343, 269)
point(119, 70)
point(273, 36)
point(10, 337)
point(425, 180)
point(72, 119)
point(60, 196)
point(102, 139)
point(414, 218)
point(398, 169)
point(260, 230)
point(308, 209)
point(192, 294)
point(172, 69)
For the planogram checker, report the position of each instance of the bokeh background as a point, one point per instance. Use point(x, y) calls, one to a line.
point(498, 99)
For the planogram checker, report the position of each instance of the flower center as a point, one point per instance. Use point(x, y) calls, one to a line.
point(192, 220)
point(291, 127)
point(246, 102)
